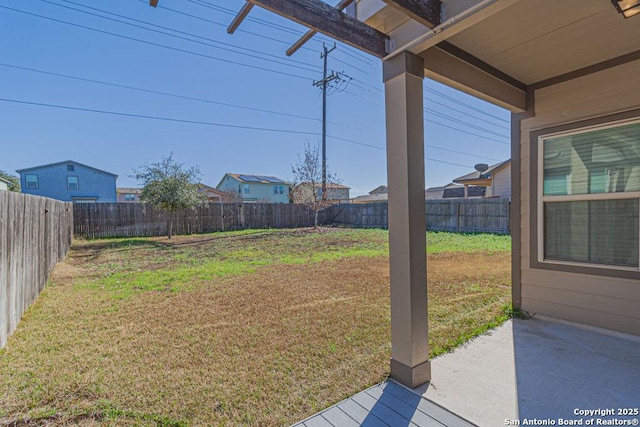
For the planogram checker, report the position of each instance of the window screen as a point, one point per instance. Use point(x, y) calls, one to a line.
point(590, 209)
point(31, 180)
point(72, 183)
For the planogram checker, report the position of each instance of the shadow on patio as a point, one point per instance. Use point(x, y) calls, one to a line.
point(526, 369)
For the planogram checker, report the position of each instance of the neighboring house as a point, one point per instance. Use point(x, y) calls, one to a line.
point(383, 189)
point(570, 82)
point(4, 184)
point(213, 195)
point(464, 192)
point(454, 191)
point(128, 195)
point(496, 179)
point(255, 188)
point(132, 195)
point(378, 194)
point(336, 193)
point(69, 181)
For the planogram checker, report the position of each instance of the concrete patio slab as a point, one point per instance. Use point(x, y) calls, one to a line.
point(539, 369)
point(526, 372)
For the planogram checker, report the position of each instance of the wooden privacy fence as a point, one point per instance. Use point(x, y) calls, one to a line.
point(137, 219)
point(35, 233)
point(457, 215)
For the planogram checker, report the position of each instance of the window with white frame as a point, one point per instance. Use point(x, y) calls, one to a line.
point(31, 180)
point(278, 189)
point(129, 197)
point(72, 183)
point(589, 192)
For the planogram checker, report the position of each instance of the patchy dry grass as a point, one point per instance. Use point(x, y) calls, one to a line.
point(257, 328)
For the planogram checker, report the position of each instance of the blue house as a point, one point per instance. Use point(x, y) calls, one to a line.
point(255, 188)
point(69, 181)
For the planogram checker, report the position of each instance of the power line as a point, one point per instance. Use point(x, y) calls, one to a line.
point(429, 100)
point(467, 132)
point(261, 36)
point(464, 123)
point(213, 43)
point(253, 67)
point(464, 104)
point(355, 55)
point(462, 152)
point(197, 122)
point(440, 115)
point(144, 116)
point(190, 98)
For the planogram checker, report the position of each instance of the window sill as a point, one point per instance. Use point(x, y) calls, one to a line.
point(588, 269)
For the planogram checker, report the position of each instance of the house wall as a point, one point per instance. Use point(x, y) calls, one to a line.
point(120, 198)
point(3, 186)
point(52, 182)
point(599, 300)
point(258, 192)
point(303, 194)
point(434, 194)
point(341, 194)
point(501, 186)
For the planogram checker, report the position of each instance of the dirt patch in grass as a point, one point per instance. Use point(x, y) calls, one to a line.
point(267, 347)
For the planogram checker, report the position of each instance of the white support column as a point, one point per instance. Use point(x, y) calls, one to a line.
point(403, 78)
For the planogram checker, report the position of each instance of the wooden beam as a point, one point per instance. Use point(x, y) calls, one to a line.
point(239, 17)
point(321, 17)
point(153, 3)
point(307, 36)
point(426, 12)
point(473, 78)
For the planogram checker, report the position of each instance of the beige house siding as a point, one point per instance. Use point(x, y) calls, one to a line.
point(501, 186)
point(598, 300)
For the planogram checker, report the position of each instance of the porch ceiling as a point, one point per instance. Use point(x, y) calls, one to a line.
point(535, 40)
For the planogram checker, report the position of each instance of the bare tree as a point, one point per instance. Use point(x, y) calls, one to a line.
point(307, 181)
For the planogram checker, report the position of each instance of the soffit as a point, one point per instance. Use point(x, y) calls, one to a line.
point(534, 40)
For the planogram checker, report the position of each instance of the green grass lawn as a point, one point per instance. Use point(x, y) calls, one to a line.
point(260, 327)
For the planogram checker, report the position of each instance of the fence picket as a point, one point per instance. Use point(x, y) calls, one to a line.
point(35, 233)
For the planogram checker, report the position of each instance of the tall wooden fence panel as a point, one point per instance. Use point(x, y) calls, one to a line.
point(457, 215)
point(138, 220)
point(367, 215)
point(35, 233)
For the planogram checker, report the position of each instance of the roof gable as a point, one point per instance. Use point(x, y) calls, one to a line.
point(382, 189)
point(493, 169)
point(333, 185)
point(254, 179)
point(20, 171)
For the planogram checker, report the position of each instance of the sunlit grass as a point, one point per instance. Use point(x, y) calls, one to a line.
point(261, 327)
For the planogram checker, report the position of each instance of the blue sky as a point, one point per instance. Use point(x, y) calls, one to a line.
point(205, 76)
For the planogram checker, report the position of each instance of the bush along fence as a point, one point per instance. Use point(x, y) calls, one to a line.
point(35, 233)
point(455, 215)
point(138, 220)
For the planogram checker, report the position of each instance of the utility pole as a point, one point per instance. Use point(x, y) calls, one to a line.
point(326, 80)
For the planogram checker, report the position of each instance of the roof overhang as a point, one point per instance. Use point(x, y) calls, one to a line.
point(498, 50)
